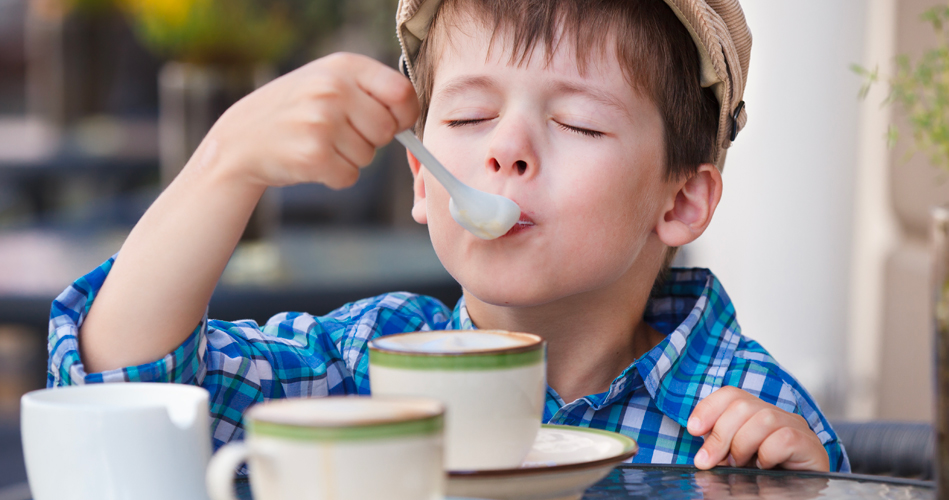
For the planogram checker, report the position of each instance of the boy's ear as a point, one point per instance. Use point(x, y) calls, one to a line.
point(690, 210)
point(418, 187)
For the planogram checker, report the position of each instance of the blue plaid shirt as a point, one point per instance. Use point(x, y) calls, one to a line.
point(296, 354)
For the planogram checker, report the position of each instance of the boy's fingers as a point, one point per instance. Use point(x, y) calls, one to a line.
point(339, 173)
point(792, 449)
point(718, 443)
point(352, 146)
point(708, 410)
point(755, 430)
point(371, 119)
point(389, 87)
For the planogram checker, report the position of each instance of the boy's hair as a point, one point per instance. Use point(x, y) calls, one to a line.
point(655, 50)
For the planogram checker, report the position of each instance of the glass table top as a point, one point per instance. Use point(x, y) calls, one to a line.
point(641, 482)
point(630, 481)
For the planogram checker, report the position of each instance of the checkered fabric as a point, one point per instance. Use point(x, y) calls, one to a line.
point(296, 354)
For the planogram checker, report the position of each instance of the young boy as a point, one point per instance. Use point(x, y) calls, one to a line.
point(603, 120)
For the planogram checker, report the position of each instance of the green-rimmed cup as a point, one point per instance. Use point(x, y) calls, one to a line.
point(492, 383)
point(325, 447)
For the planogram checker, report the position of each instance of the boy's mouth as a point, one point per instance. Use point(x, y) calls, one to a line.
point(523, 224)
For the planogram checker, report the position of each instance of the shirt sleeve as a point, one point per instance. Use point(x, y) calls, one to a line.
point(64, 367)
point(239, 363)
point(754, 370)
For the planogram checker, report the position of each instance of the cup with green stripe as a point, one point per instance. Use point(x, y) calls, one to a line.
point(326, 448)
point(492, 383)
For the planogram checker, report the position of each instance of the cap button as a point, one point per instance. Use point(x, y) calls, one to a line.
point(404, 67)
point(741, 105)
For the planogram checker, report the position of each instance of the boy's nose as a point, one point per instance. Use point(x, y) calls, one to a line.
point(520, 166)
point(512, 152)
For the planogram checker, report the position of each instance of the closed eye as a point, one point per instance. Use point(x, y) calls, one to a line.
point(459, 123)
point(583, 131)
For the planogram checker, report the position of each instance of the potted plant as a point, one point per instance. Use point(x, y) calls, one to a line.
point(218, 51)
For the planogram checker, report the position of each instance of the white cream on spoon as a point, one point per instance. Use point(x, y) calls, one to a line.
point(485, 215)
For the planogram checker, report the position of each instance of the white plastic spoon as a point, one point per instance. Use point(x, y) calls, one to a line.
point(485, 215)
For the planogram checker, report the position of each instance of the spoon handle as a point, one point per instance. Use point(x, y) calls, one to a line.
point(411, 142)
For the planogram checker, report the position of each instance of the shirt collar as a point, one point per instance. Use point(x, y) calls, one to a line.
point(692, 360)
point(692, 309)
point(459, 317)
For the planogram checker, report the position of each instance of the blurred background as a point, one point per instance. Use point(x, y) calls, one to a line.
point(822, 235)
point(101, 104)
point(821, 238)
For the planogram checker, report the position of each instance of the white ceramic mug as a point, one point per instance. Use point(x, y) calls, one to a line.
point(337, 448)
point(492, 383)
point(126, 441)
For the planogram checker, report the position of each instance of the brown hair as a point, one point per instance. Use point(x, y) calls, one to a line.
point(655, 50)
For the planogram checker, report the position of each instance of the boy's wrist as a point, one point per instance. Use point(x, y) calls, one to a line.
point(223, 171)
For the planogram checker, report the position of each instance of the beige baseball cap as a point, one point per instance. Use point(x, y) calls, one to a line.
point(718, 28)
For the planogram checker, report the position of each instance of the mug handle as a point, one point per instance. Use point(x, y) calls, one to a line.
point(220, 476)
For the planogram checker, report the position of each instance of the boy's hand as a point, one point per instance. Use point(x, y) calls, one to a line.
point(319, 123)
point(740, 429)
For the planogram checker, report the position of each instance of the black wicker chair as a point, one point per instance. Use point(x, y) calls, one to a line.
point(901, 449)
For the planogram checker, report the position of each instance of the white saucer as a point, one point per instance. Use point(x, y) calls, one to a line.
point(563, 463)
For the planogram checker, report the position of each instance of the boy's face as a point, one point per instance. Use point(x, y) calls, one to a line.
point(581, 154)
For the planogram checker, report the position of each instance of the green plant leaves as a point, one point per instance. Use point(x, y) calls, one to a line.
point(229, 32)
point(921, 89)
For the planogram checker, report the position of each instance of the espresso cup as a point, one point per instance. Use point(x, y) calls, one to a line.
point(492, 383)
point(132, 441)
point(337, 448)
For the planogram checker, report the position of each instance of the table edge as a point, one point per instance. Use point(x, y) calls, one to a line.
point(848, 476)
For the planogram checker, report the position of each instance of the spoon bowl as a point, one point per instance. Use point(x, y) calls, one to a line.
point(485, 215)
point(490, 216)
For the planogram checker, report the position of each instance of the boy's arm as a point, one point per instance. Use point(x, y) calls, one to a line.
point(319, 123)
point(741, 429)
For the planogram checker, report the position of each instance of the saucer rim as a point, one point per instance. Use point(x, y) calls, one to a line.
point(631, 448)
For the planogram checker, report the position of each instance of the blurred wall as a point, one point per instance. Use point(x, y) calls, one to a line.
point(822, 235)
point(781, 240)
point(875, 228)
point(906, 373)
